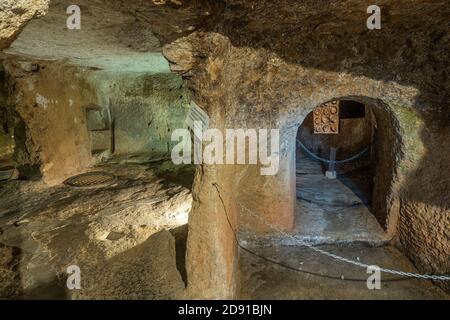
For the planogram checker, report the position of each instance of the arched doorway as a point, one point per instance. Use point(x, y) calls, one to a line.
point(344, 168)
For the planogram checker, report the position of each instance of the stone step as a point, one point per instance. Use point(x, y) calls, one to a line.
point(321, 190)
point(307, 166)
point(6, 174)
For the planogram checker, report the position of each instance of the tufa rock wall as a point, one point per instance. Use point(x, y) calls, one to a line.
point(255, 73)
point(47, 103)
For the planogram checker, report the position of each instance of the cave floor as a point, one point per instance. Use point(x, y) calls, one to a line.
point(334, 215)
point(329, 211)
point(127, 237)
point(129, 240)
point(320, 277)
point(335, 210)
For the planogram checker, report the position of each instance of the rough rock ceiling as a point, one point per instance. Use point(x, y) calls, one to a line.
point(323, 34)
point(172, 19)
point(331, 35)
point(108, 39)
point(115, 35)
point(13, 16)
point(297, 30)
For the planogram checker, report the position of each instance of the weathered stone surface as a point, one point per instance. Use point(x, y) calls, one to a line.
point(101, 140)
point(97, 119)
point(180, 52)
point(145, 109)
point(44, 229)
point(268, 67)
point(14, 14)
point(50, 129)
point(117, 34)
point(147, 271)
point(117, 66)
point(6, 139)
point(267, 64)
point(52, 108)
point(9, 276)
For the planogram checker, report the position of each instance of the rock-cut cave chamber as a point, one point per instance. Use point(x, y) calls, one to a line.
point(86, 171)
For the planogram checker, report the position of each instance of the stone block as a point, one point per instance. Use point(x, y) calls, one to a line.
point(97, 119)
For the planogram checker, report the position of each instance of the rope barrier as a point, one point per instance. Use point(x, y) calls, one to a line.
point(332, 255)
point(349, 261)
point(359, 154)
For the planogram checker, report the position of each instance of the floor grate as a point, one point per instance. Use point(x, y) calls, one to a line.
point(90, 179)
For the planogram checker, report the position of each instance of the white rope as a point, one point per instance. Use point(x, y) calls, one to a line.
point(332, 161)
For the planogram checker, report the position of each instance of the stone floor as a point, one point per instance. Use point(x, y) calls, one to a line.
point(124, 236)
point(335, 210)
point(129, 240)
point(334, 214)
point(287, 272)
point(330, 211)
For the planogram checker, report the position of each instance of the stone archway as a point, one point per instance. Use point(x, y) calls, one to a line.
point(272, 93)
point(373, 196)
point(218, 215)
point(388, 154)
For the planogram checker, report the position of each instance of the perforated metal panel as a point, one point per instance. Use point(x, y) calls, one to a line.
point(90, 179)
point(326, 118)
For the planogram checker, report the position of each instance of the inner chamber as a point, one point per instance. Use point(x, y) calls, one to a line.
point(335, 167)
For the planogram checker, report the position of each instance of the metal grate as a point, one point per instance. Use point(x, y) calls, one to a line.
point(90, 179)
